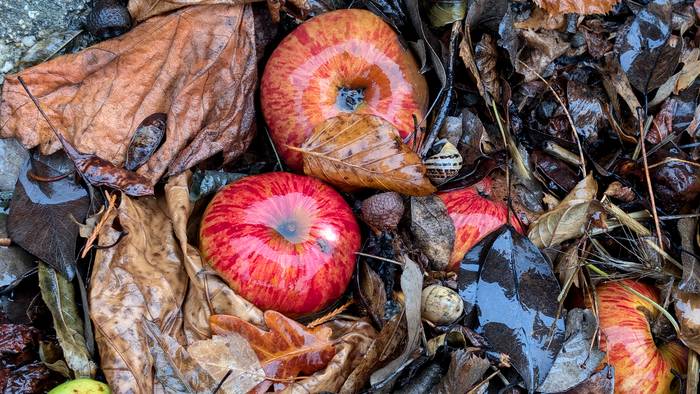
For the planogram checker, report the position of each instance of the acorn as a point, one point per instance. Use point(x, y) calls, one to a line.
point(441, 305)
point(383, 211)
point(108, 18)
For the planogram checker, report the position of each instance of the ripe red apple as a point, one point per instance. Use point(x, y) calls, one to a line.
point(641, 366)
point(282, 241)
point(340, 61)
point(474, 217)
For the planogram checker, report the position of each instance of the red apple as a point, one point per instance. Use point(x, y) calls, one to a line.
point(474, 217)
point(641, 366)
point(341, 61)
point(282, 241)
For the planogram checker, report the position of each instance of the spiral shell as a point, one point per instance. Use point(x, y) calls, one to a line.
point(444, 165)
point(441, 305)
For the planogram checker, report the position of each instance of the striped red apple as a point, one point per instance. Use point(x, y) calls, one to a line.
point(338, 62)
point(282, 241)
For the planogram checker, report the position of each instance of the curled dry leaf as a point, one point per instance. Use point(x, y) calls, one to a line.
point(372, 293)
point(286, 350)
point(98, 96)
point(141, 277)
point(358, 150)
point(433, 230)
point(59, 296)
point(571, 218)
point(464, 372)
point(688, 313)
point(560, 7)
point(145, 141)
point(485, 56)
point(229, 355)
point(207, 294)
point(353, 339)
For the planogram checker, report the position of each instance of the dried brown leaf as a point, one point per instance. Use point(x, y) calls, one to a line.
point(571, 218)
point(372, 292)
point(141, 277)
point(690, 282)
point(688, 313)
point(542, 49)
point(286, 350)
point(207, 294)
point(587, 7)
point(465, 371)
point(432, 229)
point(662, 125)
point(98, 96)
point(141, 10)
point(358, 150)
point(485, 56)
point(568, 265)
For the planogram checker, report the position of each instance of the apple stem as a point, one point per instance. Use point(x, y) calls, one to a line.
point(640, 295)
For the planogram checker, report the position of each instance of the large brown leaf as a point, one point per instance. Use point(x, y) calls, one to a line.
point(560, 7)
point(139, 278)
point(286, 350)
point(197, 65)
point(141, 10)
point(353, 150)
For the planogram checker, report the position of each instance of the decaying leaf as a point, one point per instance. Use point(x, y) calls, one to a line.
point(648, 54)
point(567, 266)
point(587, 7)
point(42, 213)
point(601, 382)
point(485, 56)
point(98, 96)
point(571, 218)
point(140, 10)
point(512, 284)
point(354, 150)
point(464, 372)
point(207, 293)
point(141, 277)
point(444, 12)
point(286, 350)
point(372, 292)
point(690, 282)
point(688, 313)
point(48, 47)
point(58, 294)
point(411, 286)
point(173, 367)
point(578, 358)
point(662, 125)
point(353, 339)
point(229, 352)
point(207, 182)
point(145, 141)
point(433, 230)
point(542, 48)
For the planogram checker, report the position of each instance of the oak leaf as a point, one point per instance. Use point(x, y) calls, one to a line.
point(196, 65)
point(357, 151)
point(287, 350)
point(560, 7)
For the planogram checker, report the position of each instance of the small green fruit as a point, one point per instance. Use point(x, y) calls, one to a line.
point(81, 386)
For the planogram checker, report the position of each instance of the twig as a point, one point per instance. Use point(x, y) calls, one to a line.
point(111, 198)
point(31, 175)
point(330, 315)
point(568, 116)
point(379, 258)
point(642, 136)
point(483, 382)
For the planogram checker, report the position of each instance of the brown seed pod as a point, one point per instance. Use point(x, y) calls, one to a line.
point(441, 305)
point(444, 165)
point(108, 18)
point(383, 211)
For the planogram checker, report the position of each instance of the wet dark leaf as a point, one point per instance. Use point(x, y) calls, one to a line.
point(586, 111)
point(576, 360)
point(40, 212)
point(559, 176)
point(516, 296)
point(372, 293)
point(465, 372)
point(687, 306)
point(16, 344)
point(59, 296)
point(662, 125)
point(486, 14)
point(145, 141)
point(690, 282)
point(15, 263)
point(646, 51)
point(676, 183)
point(48, 47)
point(432, 229)
point(444, 12)
point(601, 382)
point(30, 378)
point(470, 143)
point(209, 182)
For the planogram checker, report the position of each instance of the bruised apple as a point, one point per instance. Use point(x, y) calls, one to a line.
point(474, 217)
point(641, 365)
point(338, 62)
point(282, 241)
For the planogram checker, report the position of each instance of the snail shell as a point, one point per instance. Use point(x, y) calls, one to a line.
point(444, 165)
point(441, 305)
point(108, 18)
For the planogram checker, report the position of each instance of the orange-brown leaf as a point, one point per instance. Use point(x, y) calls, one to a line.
point(358, 151)
point(582, 7)
point(287, 350)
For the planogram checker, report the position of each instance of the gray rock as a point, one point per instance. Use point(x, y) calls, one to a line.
point(12, 157)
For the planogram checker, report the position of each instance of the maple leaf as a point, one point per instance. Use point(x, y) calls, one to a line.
point(560, 7)
point(286, 350)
